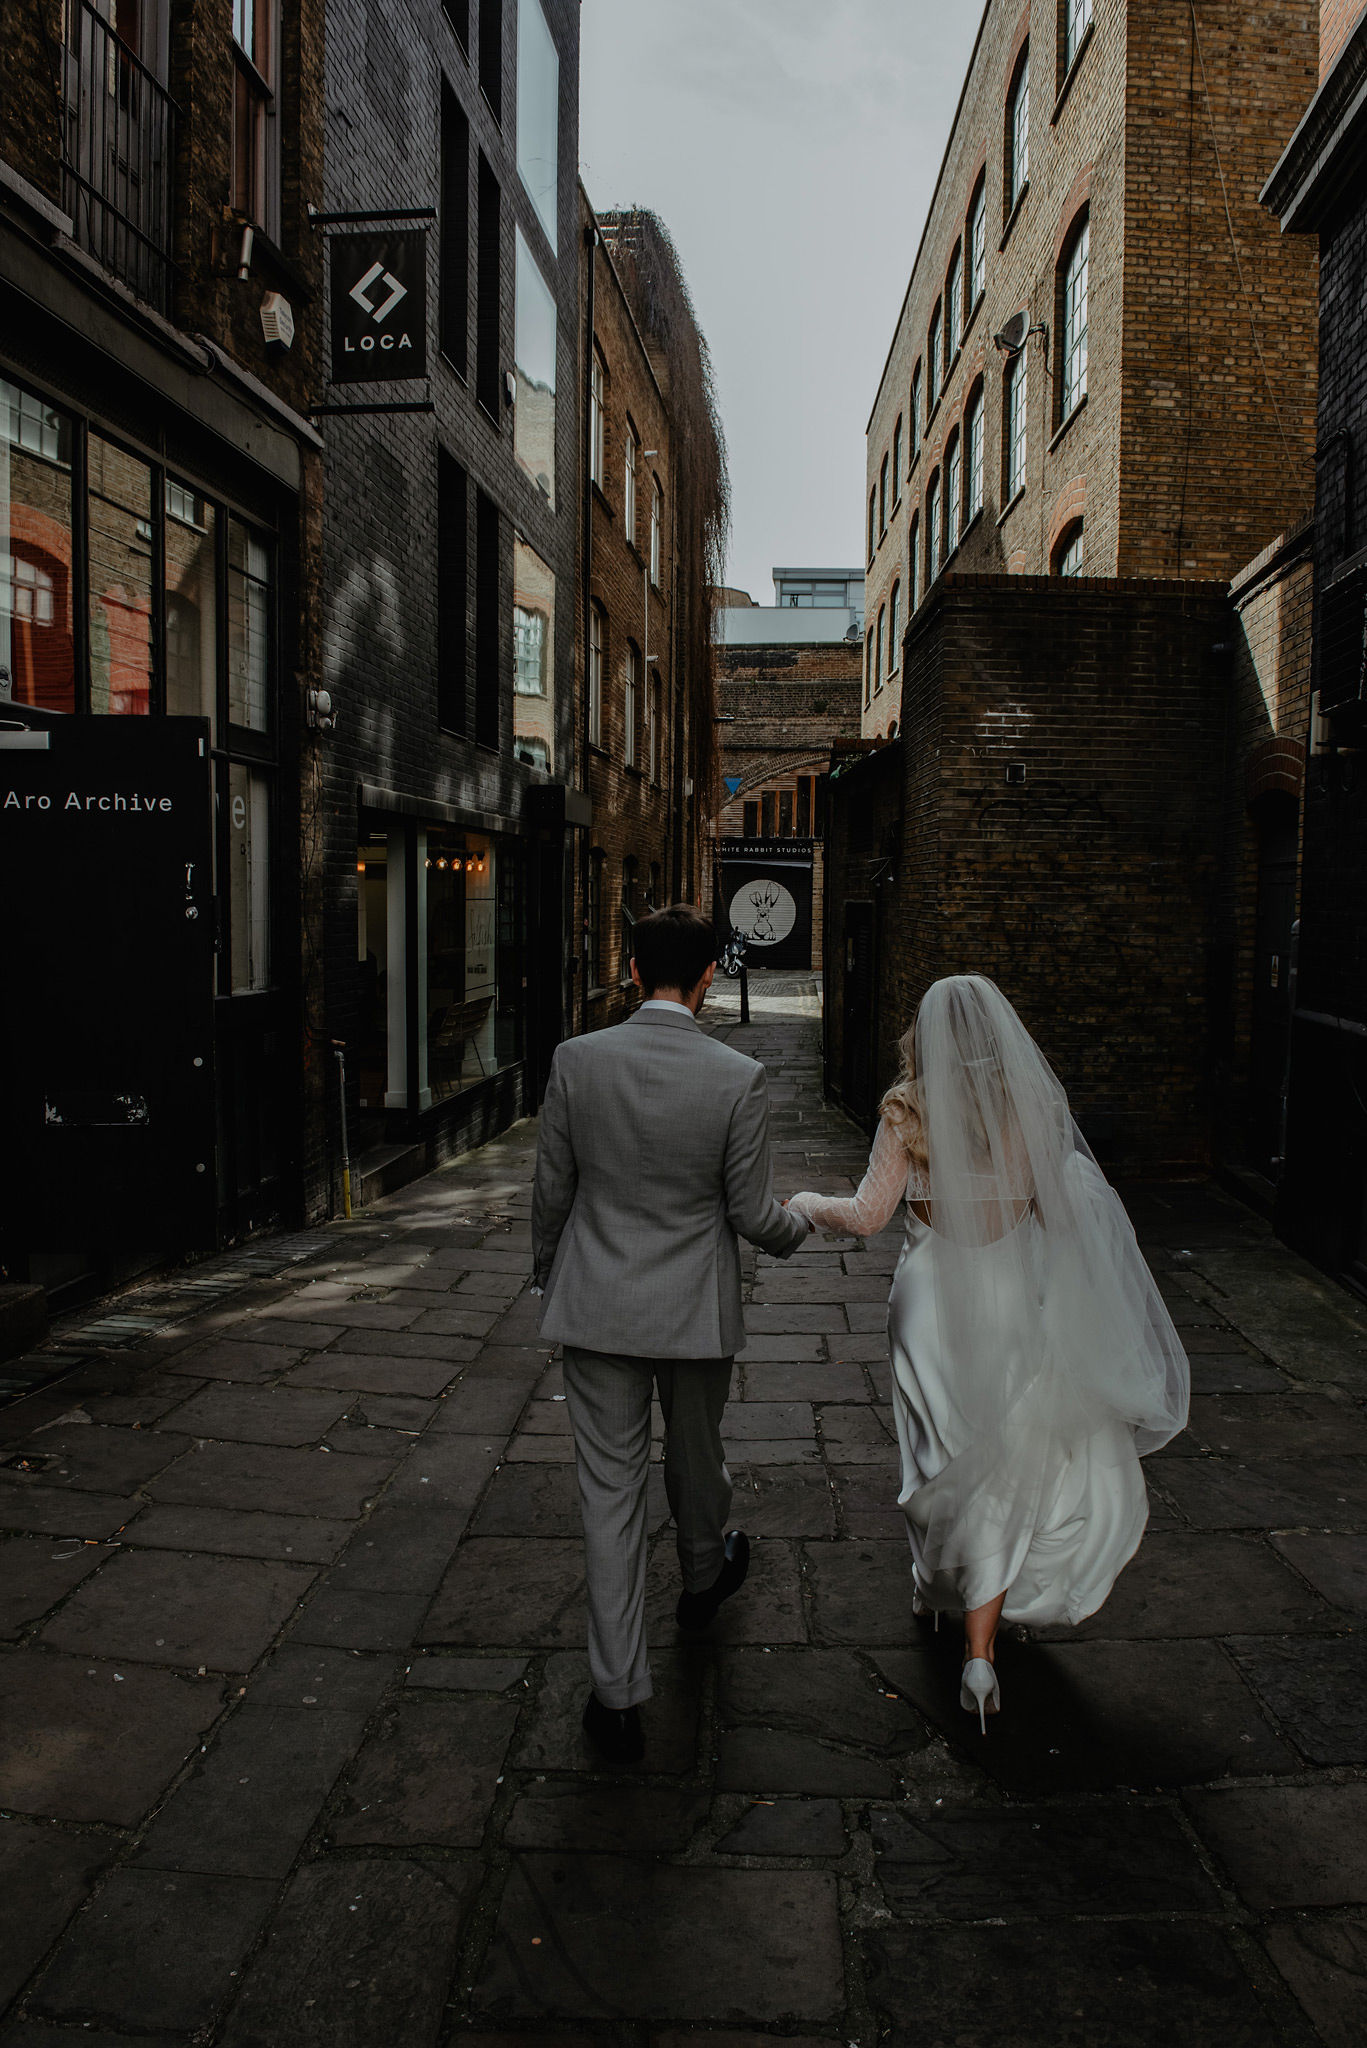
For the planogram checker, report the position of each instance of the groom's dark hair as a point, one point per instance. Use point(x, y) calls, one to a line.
point(673, 948)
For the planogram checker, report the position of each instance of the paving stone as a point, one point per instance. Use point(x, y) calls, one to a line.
point(1278, 1426)
point(1270, 1493)
point(399, 1549)
point(728, 2039)
point(36, 1572)
point(427, 1777)
point(865, 1348)
point(552, 1738)
point(1325, 1963)
point(338, 1618)
point(786, 1827)
point(753, 1450)
point(239, 1359)
point(235, 1532)
point(168, 1607)
point(1185, 1583)
point(850, 1423)
point(527, 1448)
point(157, 1949)
point(773, 1760)
point(1316, 1690)
point(1289, 1845)
point(146, 1399)
point(397, 1411)
point(547, 1418)
point(770, 1421)
point(792, 1500)
point(357, 1949)
point(63, 1511)
point(543, 1500)
point(826, 1693)
point(1038, 1862)
point(261, 1415)
point(509, 1363)
point(466, 1674)
point(467, 1321)
point(767, 1609)
point(624, 1817)
point(482, 1404)
point(523, 1591)
point(375, 1372)
point(45, 1875)
point(804, 1286)
point(34, 2034)
point(861, 1591)
point(791, 1349)
point(91, 1742)
point(1335, 1565)
point(347, 1315)
point(263, 1475)
point(798, 1382)
point(1066, 1985)
point(624, 1938)
point(91, 1458)
point(287, 1330)
point(248, 1805)
point(868, 1495)
point(1237, 1372)
point(314, 1676)
point(794, 1318)
point(444, 1474)
point(1291, 1313)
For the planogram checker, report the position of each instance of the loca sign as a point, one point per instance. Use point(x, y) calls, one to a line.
point(379, 306)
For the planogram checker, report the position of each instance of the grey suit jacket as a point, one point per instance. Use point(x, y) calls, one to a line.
point(652, 1158)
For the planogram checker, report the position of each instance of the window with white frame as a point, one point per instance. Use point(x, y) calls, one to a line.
point(629, 487)
point(977, 243)
point(868, 670)
point(256, 124)
point(933, 363)
point(883, 498)
point(596, 637)
point(1073, 388)
point(598, 379)
point(897, 461)
point(954, 471)
point(878, 650)
point(954, 307)
point(915, 413)
point(873, 520)
point(1077, 16)
point(914, 564)
point(895, 629)
point(933, 529)
point(973, 438)
point(1018, 134)
point(657, 513)
point(1014, 387)
point(631, 698)
point(1068, 556)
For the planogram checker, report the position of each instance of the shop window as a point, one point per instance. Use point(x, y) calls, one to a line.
point(488, 292)
point(750, 818)
point(256, 128)
point(533, 658)
point(488, 691)
point(249, 878)
point(191, 606)
point(538, 114)
point(629, 911)
point(37, 647)
point(631, 693)
point(249, 628)
point(454, 229)
point(120, 514)
point(1013, 427)
point(594, 917)
point(1018, 134)
point(459, 873)
point(491, 55)
point(1073, 322)
point(534, 366)
point(453, 580)
point(597, 635)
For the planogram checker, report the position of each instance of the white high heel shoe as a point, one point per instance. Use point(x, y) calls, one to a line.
point(979, 1691)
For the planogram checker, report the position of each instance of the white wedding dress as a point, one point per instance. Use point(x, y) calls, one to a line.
point(1047, 1510)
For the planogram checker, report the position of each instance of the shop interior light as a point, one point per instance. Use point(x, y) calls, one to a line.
point(360, 867)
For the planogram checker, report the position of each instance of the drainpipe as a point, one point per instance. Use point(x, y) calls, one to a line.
point(591, 244)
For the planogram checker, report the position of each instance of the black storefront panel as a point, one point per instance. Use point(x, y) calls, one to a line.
point(766, 892)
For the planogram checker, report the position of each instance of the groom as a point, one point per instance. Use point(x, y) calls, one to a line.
point(652, 1159)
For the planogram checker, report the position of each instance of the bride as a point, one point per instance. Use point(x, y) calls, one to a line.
point(1033, 1359)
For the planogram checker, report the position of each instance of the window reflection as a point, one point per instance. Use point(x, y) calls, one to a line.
point(249, 845)
point(533, 658)
point(474, 960)
point(534, 365)
point(191, 605)
point(120, 545)
point(37, 648)
point(248, 627)
point(538, 114)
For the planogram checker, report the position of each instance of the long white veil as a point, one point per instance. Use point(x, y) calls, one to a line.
point(1054, 1333)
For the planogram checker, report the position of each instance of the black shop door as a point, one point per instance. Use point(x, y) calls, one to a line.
point(1271, 1020)
point(106, 1030)
point(856, 1081)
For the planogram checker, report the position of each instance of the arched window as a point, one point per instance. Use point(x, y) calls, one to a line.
point(873, 522)
point(977, 242)
point(631, 703)
point(915, 413)
point(598, 378)
point(954, 306)
point(1073, 321)
point(597, 638)
point(878, 651)
point(1013, 427)
point(895, 630)
point(883, 498)
point(933, 363)
point(897, 460)
point(933, 529)
point(629, 486)
point(1069, 554)
point(1018, 133)
point(1077, 18)
point(973, 449)
point(657, 518)
point(914, 563)
point(868, 669)
point(954, 470)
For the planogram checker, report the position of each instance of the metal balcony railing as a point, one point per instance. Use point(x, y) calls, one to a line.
point(119, 158)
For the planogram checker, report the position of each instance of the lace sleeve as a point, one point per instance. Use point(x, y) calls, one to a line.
point(874, 1202)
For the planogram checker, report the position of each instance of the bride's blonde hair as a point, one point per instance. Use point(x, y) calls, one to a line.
point(902, 1103)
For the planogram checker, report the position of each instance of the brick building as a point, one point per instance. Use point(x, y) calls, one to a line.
point(1319, 192)
point(1151, 410)
point(644, 675)
point(160, 489)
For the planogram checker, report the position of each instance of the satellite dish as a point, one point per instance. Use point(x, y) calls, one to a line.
point(1011, 340)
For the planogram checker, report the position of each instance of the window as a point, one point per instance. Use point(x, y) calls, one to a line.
point(628, 913)
point(629, 487)
point(933, 363)
point(933, 529)
point(533, 658)
point(657, 513)
point(878, 651)
point(249, 893)
point(873, 521)
point(472, 935)
point(1077, 16)
point(977, 243)
point(256, 140)
point(915, 412)
point(954, 307)
point(803, 826)
point(768, 819)
point(598, 378)
point(491, 55)
point(37, 643)
point(883, 498)
point(1018, 135)
point(1014, 425)
point(897, 462)
point(538, 114)
point(655, 726)
point(596, 638)
point(454, 229)
point(1068, 555)
point(190, 546)
point(120, 553)
point(973, 438)
point(594, 918)
point(631, 699)
point(453, 576)
point(914, 563)
point(750, 821)
point(488, 669)
point(895, 630)
point(488, 290)
point(457, 12)
point(785, 814)
point(953, 493)
point(534, 368)
point(1073, 326)
point(868, 670)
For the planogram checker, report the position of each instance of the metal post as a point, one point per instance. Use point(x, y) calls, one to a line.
point(339, 1054)
point(744, 987)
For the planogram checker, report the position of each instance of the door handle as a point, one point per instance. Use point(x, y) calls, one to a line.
point(191, 908)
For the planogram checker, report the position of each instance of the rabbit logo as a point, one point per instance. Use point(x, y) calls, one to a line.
point(764, 910)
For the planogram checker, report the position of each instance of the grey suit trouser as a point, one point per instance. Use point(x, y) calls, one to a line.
point(609, 1404)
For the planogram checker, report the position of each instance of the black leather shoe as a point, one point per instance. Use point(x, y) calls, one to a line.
point(698, 1610)
point(614, 1731)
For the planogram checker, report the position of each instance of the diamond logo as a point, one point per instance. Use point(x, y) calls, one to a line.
point(360, 290)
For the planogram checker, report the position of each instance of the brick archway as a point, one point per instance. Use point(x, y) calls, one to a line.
point(1277, 767)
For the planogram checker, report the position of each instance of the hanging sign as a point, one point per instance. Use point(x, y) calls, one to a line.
point(379, 306)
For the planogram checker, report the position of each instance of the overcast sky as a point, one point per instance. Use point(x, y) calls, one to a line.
point(791, 147)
